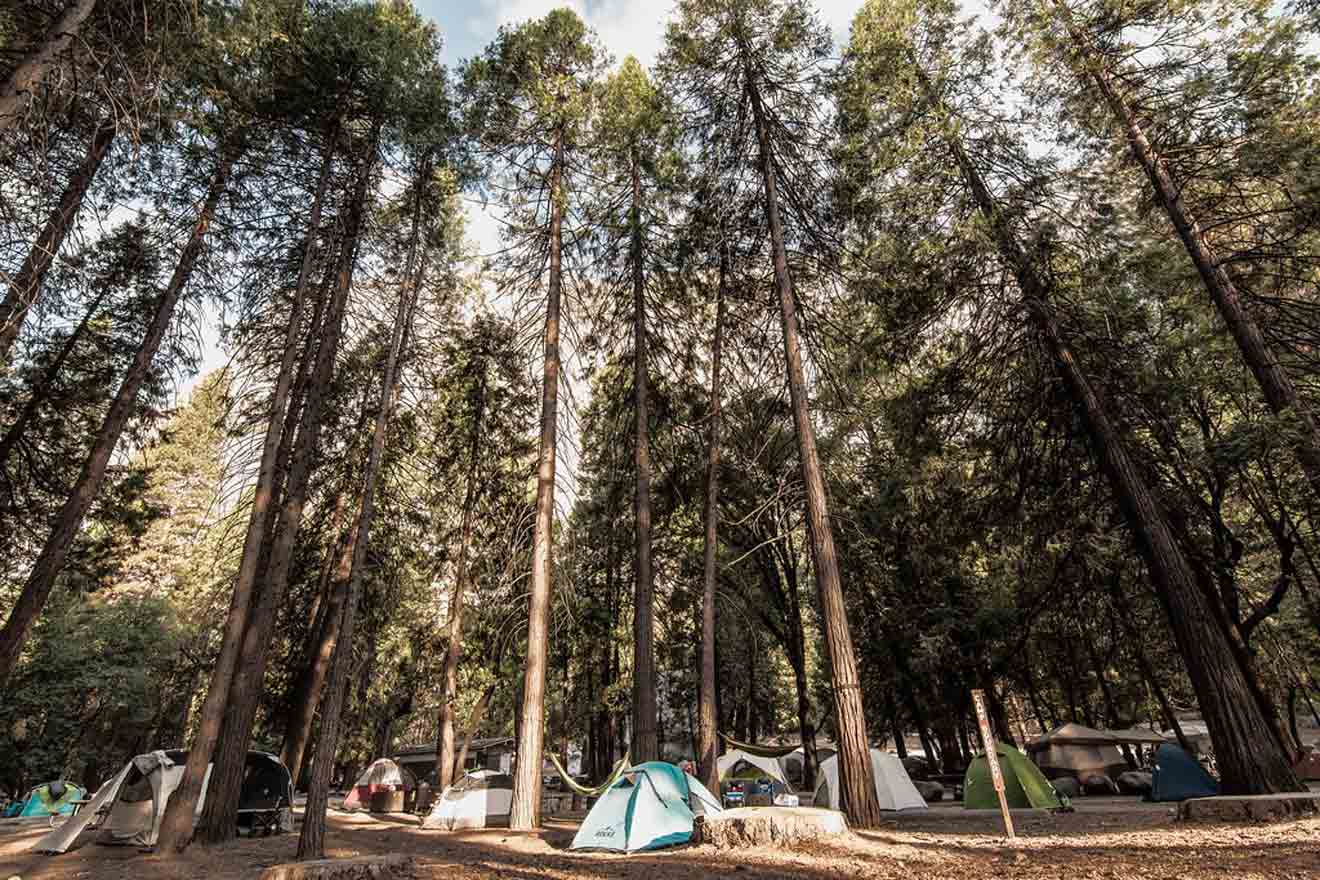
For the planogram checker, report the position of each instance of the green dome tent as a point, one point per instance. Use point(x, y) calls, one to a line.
point(1025, 786)
point(651, 805)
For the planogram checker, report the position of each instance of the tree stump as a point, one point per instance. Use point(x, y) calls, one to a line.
point(393, 867)
point(1249, 808)
point(768, 826)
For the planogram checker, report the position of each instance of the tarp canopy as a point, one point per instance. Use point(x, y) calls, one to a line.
point(651, 805)
point(893, 787)
point(1074, 750)
point(1178, 776)
point(738, 764)
point(481, 799)
point(1024, 785)
point(384, 775)
point(134, 801)
point(48, 799)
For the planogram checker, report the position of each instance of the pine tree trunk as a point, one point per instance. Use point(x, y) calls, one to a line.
point(474, 722)
point(525, 813)
point(645, 746)
point(220, 815)
point(1275, 383)
point(856, 781)
point(25, 287)
point(177, 823)
point(16, 93)
point(311, 842)
point(707, 732)
point(41, 580)
point(1251, 760)
point(444, 752)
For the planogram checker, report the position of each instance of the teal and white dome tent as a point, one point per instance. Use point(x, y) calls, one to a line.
point(649, 806)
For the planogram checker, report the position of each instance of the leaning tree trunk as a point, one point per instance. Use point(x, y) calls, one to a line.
point(311, 842)
point(707, 732)
point(220, 815)
point(444, 752)
point(16, 92)
point(41, 580)
point(645, 745)
point(856, 781)
point(25, 287)
point(177, 823)
point(525, 812)
point(1251, 760)
point(1275, 383)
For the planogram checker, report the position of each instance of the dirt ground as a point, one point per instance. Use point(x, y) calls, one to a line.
point(1106, 839)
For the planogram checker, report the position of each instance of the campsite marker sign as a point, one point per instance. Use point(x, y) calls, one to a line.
point(992, 759)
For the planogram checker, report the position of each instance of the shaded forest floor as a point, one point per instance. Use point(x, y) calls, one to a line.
point(1106, 839)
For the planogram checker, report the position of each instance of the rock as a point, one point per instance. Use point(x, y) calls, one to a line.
point(768, 826)
point(930, 791)
point(1068, 786)
point(916, 766)
point(392, 867)
point(1135, 782)
point(1099, 783)
point(1249, 808)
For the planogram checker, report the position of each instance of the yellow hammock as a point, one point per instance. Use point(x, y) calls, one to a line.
point(599, 790)
point(759, 751)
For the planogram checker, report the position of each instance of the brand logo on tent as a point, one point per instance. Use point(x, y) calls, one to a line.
point(607, 831)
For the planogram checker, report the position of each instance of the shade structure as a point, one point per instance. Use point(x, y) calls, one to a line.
point(1025, 787)
point(1178, 776)
point(481, 799)
point(651, 805)
point(383, 777)
point(1075, 750)
point(893, 787)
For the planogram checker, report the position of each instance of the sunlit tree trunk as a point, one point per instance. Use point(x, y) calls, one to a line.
point(525, 813)
point(856, 780)
point(16, 92)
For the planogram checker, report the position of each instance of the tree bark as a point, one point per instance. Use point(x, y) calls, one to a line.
point(311, 842)
point(707, 733)
point(525, 812)
point(1275, 383)
point(445, 770)
point(474, 722)
point(41, 580)
point(1251, 760)
point(177, 823)
point(856, 782)
point(16, 93)
point(25, 287)
point(645, 745)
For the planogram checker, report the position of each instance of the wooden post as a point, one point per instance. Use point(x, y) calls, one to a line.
point(992, 759)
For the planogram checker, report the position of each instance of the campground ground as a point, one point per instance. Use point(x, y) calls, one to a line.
point(1109, 838)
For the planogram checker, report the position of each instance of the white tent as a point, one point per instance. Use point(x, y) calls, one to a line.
point(134, 801)
point(728, 763)
point(792, 762)
point(480, 799)
point(893, 786)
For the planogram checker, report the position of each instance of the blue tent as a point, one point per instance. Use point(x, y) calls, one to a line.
point(650, 806)
point(1178, 776)
point(41, 801)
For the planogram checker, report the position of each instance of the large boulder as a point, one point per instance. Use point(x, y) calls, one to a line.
point(768, 826)
point(1068, 786)
point(1098, 783)
point(930, 791)
point(916, 766)
point(1135, 782)
point(392, 867)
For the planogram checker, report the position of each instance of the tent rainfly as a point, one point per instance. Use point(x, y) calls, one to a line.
point(1024, 785)
point(893, 787)
point(1178, 776)
point(792, 762)
point(48, 799)
point(651, 805)
point(737, 764)
point(134, 801)
point(481, 799)
point(383, 777)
